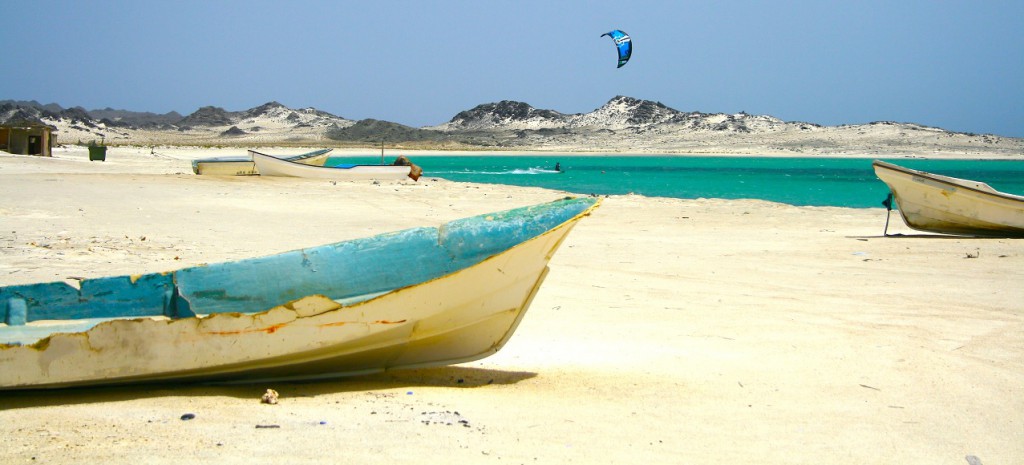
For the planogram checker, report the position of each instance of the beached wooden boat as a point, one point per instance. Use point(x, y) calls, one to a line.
point(942, 204)
point(270, 166)
point(417, 298)
point(244, 166)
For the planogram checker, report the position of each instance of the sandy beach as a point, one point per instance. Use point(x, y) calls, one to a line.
point(668, 331)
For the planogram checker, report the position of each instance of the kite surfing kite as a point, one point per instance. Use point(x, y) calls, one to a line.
point(623, 44)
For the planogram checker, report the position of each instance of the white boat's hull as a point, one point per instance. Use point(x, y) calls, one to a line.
point(270, 166)
point(244, 166)
point(458, 317)
point(225, 167)
point(929, 202)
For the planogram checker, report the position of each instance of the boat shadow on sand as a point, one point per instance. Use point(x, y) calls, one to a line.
point(928, 236)
point(440, 377)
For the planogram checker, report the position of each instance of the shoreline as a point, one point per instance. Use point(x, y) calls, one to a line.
point(430, 153)
point(178, 161)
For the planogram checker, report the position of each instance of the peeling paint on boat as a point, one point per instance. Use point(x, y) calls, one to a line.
point(415, 298)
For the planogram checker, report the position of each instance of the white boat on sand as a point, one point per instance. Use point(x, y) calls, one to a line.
point(942, 204)
point(244, 166)
point(271, 166)
point(422, 297)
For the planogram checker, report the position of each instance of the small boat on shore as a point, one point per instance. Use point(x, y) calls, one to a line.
point(422, 297)
point(270, 166)
point(942, 204)
point(244, 166)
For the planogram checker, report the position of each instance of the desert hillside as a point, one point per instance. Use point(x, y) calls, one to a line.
point(622, 125)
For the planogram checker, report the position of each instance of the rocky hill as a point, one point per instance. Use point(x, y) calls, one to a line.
point(134, 119)
point(623, 124)
point(270, 123)
point(505, 114)
point(620, 113)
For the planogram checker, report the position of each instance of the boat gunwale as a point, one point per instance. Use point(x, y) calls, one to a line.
point(42, 342)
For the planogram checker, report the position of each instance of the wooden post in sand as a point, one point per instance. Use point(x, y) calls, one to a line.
point(888, 211)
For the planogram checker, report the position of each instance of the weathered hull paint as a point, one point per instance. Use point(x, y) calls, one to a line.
point(480, 278)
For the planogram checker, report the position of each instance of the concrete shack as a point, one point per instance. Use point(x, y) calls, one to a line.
point(27, 138)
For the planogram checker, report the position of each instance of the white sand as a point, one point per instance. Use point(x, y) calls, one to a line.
point(668, 331)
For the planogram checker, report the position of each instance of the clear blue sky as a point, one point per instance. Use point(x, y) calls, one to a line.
point(958, 65)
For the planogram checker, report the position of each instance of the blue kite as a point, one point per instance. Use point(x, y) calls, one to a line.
point(623, 43)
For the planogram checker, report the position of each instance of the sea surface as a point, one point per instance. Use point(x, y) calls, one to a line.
point(844, 182)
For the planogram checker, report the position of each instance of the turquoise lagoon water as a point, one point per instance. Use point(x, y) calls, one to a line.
point(796, 181)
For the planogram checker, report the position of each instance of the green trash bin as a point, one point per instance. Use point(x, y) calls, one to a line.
point(97, 152)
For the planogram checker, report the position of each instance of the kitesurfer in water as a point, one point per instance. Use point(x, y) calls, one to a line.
point(558, 167)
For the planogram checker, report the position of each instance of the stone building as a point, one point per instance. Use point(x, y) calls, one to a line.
point(27, 138)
